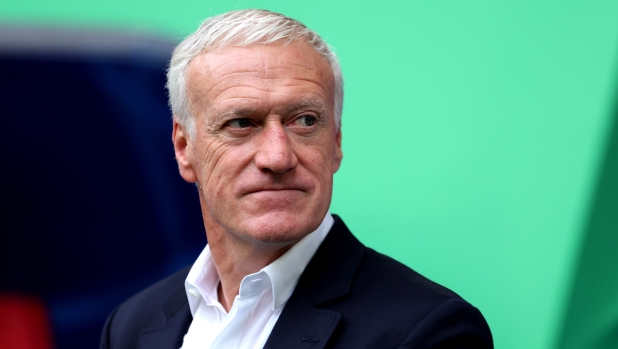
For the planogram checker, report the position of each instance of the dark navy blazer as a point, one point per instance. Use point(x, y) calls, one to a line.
point(349, 296)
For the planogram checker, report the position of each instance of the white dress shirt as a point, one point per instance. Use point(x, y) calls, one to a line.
point(266, 292)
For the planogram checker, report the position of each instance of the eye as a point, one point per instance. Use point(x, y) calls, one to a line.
point(306, 120)
point(239, 123)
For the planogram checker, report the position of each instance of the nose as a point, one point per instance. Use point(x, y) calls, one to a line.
point(275, 151)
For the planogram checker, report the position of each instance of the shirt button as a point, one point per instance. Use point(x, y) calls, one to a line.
point(194, 292)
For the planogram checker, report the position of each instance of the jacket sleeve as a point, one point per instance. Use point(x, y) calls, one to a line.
point(454, 324)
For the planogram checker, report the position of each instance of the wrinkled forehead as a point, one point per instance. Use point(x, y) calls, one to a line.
point(271, 65)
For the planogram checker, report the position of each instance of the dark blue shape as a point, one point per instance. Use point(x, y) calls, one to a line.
point(93, 208)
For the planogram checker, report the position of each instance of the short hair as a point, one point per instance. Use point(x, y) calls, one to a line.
point(241, 28)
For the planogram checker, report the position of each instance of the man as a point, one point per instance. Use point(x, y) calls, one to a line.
point(257, 101)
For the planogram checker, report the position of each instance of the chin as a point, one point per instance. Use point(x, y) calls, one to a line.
point(280, 228)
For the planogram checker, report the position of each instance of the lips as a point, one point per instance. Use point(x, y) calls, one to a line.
point(272, 190)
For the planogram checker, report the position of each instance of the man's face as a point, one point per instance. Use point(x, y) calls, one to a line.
point(266, 144)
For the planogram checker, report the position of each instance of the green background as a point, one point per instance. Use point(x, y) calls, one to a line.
point(480, 144)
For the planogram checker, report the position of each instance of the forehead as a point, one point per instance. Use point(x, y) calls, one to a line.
point(259, 73)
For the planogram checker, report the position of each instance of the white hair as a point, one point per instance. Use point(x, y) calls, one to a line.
point(241, 28)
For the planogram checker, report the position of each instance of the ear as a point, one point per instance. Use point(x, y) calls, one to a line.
point(338, 151)
point(184, 152)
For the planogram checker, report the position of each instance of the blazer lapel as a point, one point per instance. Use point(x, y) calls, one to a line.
point(301, 325)
point(328, 277)
point(171, 335)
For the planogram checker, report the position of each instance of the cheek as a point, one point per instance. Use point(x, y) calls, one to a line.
point(209, 162)
point(220, 166)
point(319, 161)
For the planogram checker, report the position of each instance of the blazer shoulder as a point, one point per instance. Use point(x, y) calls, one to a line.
point(423, 312)
point(401, 279)
point(371, 276)
point(152, 307)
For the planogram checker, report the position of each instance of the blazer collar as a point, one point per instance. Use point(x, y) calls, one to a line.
point(178, 316)
point(328, 277)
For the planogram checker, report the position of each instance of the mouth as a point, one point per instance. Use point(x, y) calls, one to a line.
point(276, 199)
point(273, 190)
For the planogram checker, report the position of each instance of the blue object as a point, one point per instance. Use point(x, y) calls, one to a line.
point(89, 173)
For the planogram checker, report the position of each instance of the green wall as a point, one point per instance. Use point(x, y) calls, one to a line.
point(475, 135)
point(591, 320)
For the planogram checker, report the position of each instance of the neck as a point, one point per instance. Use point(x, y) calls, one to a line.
point(234, 258)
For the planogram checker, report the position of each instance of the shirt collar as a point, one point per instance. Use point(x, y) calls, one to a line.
point(202, 281)
point(286, 270)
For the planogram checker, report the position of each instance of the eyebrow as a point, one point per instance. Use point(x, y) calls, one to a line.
point(314, 103)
